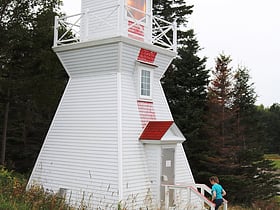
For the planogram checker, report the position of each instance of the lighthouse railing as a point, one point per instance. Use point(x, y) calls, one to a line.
point(79, 28)
point(190, 196)
point(138, 24)
point(67, 29)
point(164, 33)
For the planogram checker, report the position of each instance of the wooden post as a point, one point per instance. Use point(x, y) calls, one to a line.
point(225, 205)
point(55, 38)
point(86, 24)
point(166, 197)
point(174, 46)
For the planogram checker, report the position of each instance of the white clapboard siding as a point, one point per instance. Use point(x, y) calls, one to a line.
point(183, 176)
point(92, 148)
point(160, 103)
point(153, 155)
point(80, 152)
point(135, 171)
point(101, 59)
point(93, 5)
point(183, 171)
point(101, 20)
point(130, 54)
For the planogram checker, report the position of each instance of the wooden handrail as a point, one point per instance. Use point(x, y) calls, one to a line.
point(204, 188)
point(193, 189)
point(159, 31)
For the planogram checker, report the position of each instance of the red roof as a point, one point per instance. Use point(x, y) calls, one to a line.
point(147, 56)
point(155, 130)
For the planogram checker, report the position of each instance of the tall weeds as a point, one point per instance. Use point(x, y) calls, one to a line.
point(13, 195)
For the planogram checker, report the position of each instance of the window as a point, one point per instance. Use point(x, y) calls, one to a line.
point(137, 9)
point(145, 83)
point(145, 80)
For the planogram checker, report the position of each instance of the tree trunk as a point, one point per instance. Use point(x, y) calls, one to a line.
point(5, 128)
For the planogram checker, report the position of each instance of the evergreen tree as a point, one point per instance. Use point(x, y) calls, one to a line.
point(236, 154)
point(244, 107)
point(15, 34)
point(220, 114)
point(221, 156)
point(271, 119)
point(171, 10)
point(185, 84)
point(185, 81)
point(249, 135)
point(227, 145)
point(25, 58)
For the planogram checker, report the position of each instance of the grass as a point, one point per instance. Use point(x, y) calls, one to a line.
point(275, 158)
point(238, 208)
point(13, 196)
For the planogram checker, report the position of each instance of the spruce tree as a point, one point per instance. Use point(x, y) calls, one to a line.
point(249, 134)
point(219, 116)
point(185, 81)
point(27, 63)
point(234, 132)
point(244, 107)
point(271, 119)
point(185, 84)
point(171, 10)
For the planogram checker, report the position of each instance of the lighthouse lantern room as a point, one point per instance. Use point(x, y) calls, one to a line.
point(113, 17)
point(113, 140)
point(102, 19)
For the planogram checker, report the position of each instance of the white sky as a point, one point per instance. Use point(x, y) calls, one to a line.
point(247, 30)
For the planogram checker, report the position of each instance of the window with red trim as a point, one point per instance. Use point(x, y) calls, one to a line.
point(137, 9)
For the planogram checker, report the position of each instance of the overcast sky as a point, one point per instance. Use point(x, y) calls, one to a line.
point(247, 30)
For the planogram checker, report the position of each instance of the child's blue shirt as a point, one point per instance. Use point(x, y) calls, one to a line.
point(218, 189)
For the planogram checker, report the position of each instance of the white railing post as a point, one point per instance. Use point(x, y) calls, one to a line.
point(55, 34)
point(225, 205)
point(191, 192)
point(189, 195)
point(202, 191)
point(166, 197)
point(86, 24)
point(174, 24)
point(180, 197)
point(149, 28)
point(121, 15)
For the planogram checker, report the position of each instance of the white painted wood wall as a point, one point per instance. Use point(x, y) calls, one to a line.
point(92, 147)
point(101, 19)
point(92, 151)
point(108, 18)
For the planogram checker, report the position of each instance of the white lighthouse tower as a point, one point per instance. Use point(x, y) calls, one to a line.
point(113, 140)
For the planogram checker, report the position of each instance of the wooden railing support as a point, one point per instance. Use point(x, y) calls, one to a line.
point(160, 32)
point(55, 34)
point(192, 191)
point(166, 198)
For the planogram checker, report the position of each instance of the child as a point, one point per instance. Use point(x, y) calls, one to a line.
point(217, 192)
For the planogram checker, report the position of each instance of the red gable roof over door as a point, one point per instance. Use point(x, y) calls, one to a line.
point(155, 130)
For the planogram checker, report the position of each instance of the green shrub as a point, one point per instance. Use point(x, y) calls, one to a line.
point(13, 194)
point(275, 158)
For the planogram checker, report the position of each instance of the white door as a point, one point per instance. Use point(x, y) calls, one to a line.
point(167, 172)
